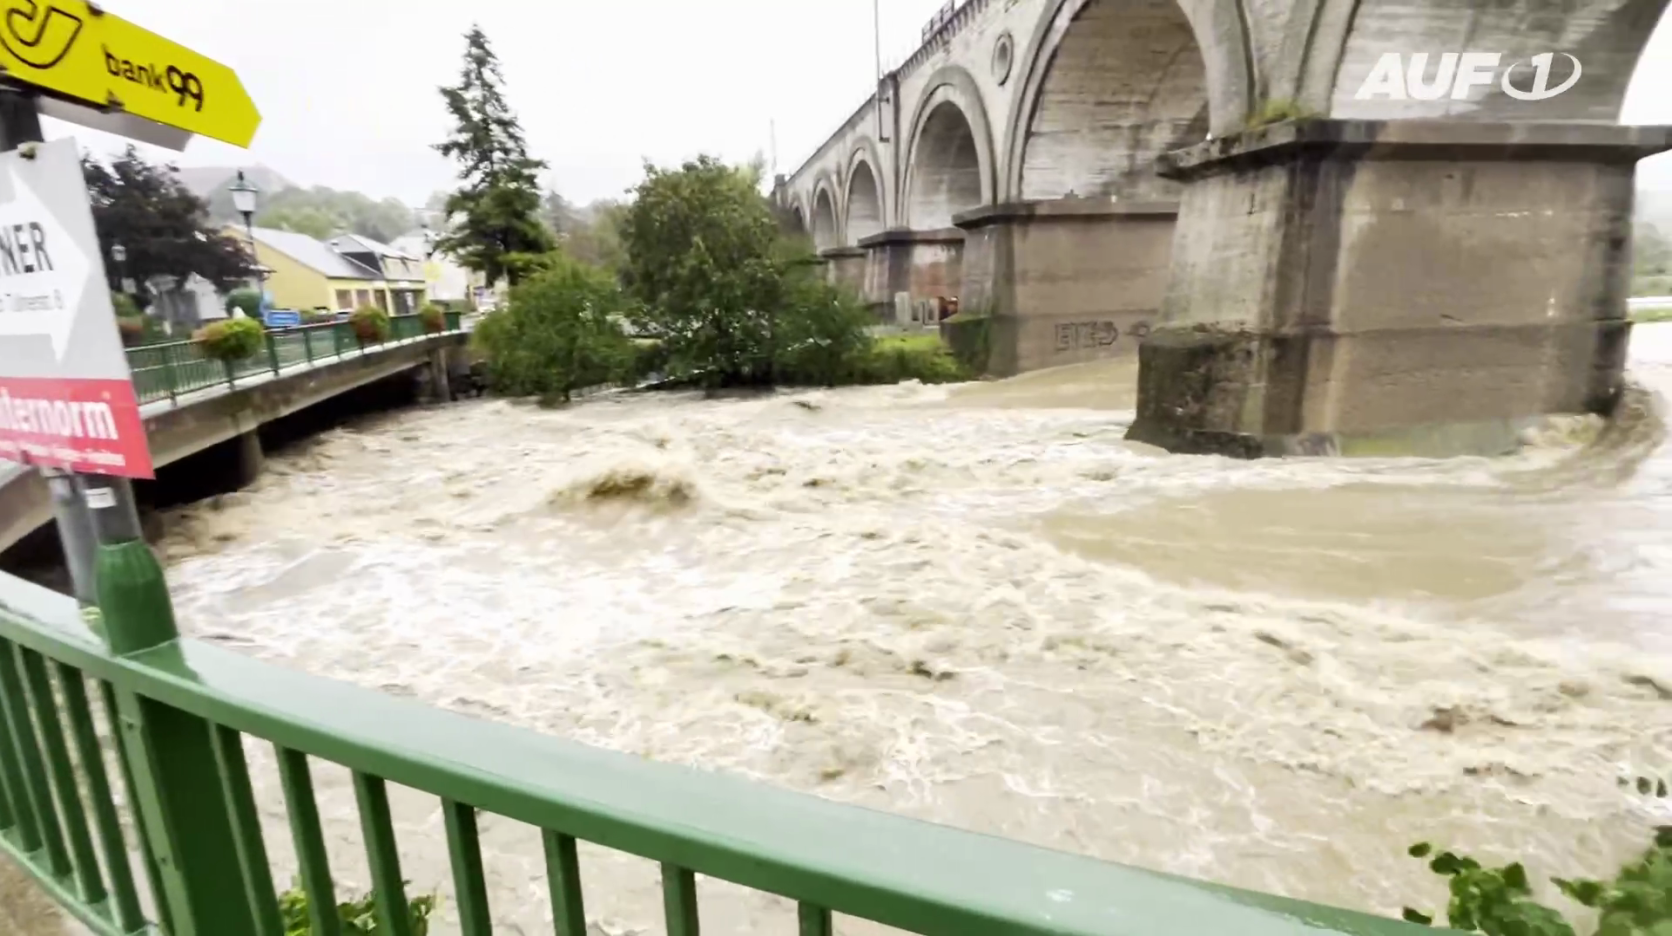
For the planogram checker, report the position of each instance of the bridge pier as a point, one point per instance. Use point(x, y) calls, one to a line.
point(1066, 280)
point(844, 267)
point(922, 264)
point(1409, 287)
point(248, 461)
point(437, 382)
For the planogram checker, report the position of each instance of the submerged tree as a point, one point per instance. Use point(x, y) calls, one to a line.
point(495, 216)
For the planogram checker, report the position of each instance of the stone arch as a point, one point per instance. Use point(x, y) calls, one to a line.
point(825, 229)
point(949, 165)
point(866, 212)
point(1111, 84)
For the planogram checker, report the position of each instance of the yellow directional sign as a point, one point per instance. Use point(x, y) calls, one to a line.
point(76, 49)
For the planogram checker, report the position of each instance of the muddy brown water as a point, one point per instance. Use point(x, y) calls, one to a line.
point(978, 605)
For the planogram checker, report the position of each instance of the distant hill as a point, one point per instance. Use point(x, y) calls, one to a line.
point(210, 184)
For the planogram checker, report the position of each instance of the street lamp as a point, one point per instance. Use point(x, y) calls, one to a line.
point(243, 201)
point(119, 256)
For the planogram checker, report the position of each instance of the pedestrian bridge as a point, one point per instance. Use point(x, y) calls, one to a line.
point(190, 402)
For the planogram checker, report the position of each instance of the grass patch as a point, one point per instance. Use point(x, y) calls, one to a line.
point(1656, 314)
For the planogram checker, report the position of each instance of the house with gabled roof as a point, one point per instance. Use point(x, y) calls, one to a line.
point(338, 275)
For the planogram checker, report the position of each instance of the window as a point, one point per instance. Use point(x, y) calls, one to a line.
point(345, 300)
point(362, 298)
point(382, 297)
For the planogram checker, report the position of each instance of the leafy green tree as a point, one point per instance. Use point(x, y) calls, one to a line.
point(164, 227)
point(322, 213)
point(497, 209)
point(247, 301)
point(1651, 252)
point(560, 332)
point(595, 237)
point(704, 261)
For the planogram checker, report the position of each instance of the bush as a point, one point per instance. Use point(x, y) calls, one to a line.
point(132, 328)
point(556, 335)
point(1498, 901)
point(359, 917)
point(894, 358)
point(433, 318)
point(370, 324)
point(819, 335)
point(318, 317)
point(247, 301)
point(125, 305)
point(232, 339)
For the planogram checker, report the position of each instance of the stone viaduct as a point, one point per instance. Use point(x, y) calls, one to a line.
point(1302, 266)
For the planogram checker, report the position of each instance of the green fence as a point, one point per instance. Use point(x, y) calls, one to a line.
point(183, 707)
point(164, 371)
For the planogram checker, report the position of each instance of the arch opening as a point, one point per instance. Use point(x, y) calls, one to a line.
point(946, 169)
point(864, 203)
point(824, 221)
point(1125, 83)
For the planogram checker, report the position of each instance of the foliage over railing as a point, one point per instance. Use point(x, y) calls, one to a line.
point(182, 709)
point(164, 371)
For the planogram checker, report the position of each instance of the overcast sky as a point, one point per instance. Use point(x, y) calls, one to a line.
point(347, 88)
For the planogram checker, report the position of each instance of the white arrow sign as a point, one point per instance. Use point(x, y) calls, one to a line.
point(42, 273)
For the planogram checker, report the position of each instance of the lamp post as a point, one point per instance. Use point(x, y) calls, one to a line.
point(243, 201)
point(119, 256)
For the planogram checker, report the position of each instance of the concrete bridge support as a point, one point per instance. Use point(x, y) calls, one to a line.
point(1420, 287)
point(249, 460)
point(922, 264)
point(845, 268)
point(1065, 281)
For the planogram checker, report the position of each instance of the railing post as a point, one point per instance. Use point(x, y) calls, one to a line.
point(168, 373)
point(231, 374)
point(184, 813)
point(307, 344)
point(272, 353)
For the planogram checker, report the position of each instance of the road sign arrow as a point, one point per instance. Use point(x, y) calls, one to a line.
point(42, 273)
point(79, 51)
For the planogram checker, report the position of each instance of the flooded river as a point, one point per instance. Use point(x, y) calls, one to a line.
point(978, 605)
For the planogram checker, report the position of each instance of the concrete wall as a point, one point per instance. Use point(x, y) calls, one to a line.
point(1066, 281)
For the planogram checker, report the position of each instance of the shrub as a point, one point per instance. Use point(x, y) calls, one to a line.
point(132, 328)
point(359, 917)
point(247, 301)
point(433, 318)
point(819, 334)
point(370, 324)
point(1498, 901)
point(556, 335)
point(318, 317)
point(232, 339)
point(125, 305)
point(923, 357)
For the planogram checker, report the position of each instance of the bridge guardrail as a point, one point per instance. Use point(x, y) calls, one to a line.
point(164, 371)
point(181, 709)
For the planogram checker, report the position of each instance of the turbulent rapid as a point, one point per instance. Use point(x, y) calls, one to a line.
point(978, 605)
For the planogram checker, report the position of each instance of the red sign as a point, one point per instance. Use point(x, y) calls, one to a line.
point(66, 395)
point(82, 425)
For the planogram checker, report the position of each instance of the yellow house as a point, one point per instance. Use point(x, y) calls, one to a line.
point(348, 272)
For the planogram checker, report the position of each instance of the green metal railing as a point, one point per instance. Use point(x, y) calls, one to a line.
point(164, 371)
point(182, 709)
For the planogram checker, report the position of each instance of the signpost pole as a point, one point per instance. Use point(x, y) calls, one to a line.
point(79, 529)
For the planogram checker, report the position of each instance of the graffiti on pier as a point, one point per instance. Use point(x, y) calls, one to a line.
point(1077, 336)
